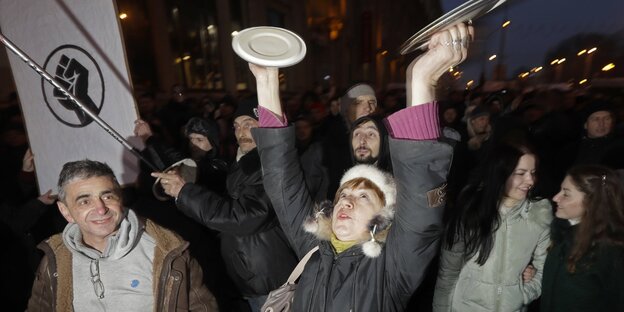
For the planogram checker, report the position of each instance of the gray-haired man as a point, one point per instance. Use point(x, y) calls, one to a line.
point(108, 258)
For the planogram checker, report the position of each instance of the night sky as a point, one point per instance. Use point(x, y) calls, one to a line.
point(536, 27)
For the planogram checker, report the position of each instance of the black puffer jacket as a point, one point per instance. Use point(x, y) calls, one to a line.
point(351, 281)
point(255, 250)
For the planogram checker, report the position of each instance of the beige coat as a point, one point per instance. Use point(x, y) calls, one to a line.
point(522, 238)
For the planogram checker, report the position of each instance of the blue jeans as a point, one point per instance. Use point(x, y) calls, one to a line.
point(256, 303)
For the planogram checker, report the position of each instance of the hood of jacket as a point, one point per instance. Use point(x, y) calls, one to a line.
point(118, 244)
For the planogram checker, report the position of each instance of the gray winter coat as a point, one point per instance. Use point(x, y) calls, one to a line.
point(351, 281)
point(522, 238)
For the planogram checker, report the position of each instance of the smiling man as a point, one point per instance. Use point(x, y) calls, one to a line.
point(108, 258)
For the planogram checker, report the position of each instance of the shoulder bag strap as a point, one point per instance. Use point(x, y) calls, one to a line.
point(299, 268)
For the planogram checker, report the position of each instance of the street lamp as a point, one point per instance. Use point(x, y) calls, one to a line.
point(588, 60)
point(608, 67)
point(558, 69)
point(498, 72)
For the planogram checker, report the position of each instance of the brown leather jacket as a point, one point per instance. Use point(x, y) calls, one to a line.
point(177, 276)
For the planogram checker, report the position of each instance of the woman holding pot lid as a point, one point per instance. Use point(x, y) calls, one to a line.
point(380, 233)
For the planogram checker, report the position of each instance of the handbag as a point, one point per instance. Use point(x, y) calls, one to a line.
point(281, 299)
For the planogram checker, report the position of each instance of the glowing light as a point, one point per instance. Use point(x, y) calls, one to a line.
point(554, 62)
point(561, 61)
point(506, 23)
point(592, 50)
point(538, 69)
point(581, 52)
point(608, 67)
point(384, 53)
point(469, 83)
point(582, 81)
point(123, 16)
point(524, 75)
point(492, 57)
point(186, 58)
point(451, 69)
point(234, 33)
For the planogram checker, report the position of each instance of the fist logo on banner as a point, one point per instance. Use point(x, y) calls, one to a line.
point(78, 72)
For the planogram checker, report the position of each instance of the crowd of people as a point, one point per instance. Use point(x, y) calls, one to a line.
point(511, 200)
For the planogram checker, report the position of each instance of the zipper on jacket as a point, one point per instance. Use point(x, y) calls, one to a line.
point(331, 271)
point(499, 288)
point(353, 289)
point(166, 271)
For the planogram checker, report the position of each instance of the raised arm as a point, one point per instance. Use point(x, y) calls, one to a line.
point(283, 178)
point(420, 162)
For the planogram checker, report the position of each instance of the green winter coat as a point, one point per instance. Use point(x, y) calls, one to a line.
point(522, 238)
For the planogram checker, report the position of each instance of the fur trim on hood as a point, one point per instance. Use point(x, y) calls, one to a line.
point(320, 224)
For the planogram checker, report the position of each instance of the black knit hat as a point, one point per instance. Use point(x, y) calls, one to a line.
point(596, 106)
point(247, 107)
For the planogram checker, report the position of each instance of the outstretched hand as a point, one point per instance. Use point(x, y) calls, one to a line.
point(171, 182)
point(28, 162)
point(142, 130)
point(47, 198)
point(446, 49)
point(267, 86)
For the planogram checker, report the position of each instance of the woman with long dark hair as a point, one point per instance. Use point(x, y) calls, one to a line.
point(495, 232)
point(584, 270)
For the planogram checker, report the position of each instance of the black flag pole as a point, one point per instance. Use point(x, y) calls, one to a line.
point(22, 55)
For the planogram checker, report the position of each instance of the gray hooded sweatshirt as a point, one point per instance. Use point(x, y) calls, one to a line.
point(118, 279)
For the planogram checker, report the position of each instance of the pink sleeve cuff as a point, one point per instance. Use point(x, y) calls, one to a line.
point(267, 119)
point(419, 122)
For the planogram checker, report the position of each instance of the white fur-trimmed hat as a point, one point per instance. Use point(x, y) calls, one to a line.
point(320, 224)
point(383, 180)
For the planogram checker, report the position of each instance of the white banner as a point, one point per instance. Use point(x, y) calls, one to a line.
point(79, 43)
